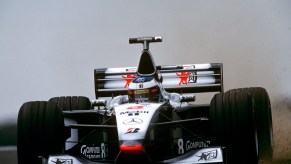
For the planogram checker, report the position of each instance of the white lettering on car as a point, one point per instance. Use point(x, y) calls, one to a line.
point(93, 152)
point(197, 144)
point(190, 145)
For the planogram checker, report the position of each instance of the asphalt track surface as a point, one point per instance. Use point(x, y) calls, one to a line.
point(8, 155)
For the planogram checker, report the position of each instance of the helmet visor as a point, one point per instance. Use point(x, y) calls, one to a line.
point(145, 95)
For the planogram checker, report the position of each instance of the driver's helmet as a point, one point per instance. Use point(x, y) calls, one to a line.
point(144, 89)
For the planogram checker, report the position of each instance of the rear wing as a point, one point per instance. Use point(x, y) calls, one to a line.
point(187, 78)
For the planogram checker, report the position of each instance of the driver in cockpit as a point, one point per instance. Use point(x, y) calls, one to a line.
point(145, 89)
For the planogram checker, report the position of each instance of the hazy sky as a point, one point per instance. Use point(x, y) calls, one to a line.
point(50, 48)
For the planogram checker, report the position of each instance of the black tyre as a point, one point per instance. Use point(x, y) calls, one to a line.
point(241, 120)
point(263, 121)
point(40, 128)
point(69, 103)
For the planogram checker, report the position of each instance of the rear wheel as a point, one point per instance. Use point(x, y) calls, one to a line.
point(40, 128)
point(242, 122)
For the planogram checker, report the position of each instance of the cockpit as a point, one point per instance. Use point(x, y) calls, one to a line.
point(144, 89)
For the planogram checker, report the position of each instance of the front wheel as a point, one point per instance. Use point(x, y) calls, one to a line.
point(242, 123)
point(40, 131)
point(263, 121)
point(70, 103)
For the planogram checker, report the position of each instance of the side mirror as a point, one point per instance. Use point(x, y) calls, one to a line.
point(187, 98)
point(98, 103)
point(117, 101)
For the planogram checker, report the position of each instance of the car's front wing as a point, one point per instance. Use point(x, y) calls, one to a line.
point(204, 155)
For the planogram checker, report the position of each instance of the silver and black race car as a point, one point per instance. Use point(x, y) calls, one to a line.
point(148, 114)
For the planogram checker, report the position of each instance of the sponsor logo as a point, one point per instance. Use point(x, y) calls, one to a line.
point(132, 121)
point(208, 155)
point(134, 113)
point(128, 78)
point(140, 79)
point(197, 144)
point(140, 85)
point(187, 77)
point(135, 107)
point(132, 130)
point(182, 147)
point(192, 77)
point(93, 152)
point(62, 161)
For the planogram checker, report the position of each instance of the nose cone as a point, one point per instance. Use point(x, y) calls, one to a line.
point(132, 153)
point(146, 64)
point(131, 148)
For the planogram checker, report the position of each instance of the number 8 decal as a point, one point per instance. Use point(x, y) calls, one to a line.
point(103, 155)
point(180, 146)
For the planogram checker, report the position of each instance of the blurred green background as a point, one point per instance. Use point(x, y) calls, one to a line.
point(8, 131)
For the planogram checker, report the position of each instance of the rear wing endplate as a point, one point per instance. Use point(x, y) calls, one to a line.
point(187, 78)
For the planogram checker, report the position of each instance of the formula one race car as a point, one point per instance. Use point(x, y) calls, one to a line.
point(147, 114)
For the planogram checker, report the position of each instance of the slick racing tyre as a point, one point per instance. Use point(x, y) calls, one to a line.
point(40, 128)
point(263, 121)
point(69, 103)
point(242, 123)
